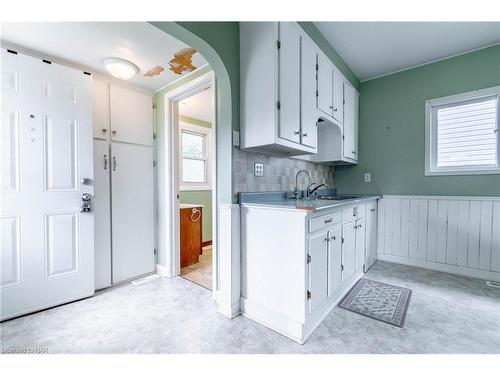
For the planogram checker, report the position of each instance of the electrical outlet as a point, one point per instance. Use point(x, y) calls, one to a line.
point(368, 177)
point(258, 169)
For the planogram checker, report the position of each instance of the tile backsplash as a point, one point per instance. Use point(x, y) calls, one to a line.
point(279, 172)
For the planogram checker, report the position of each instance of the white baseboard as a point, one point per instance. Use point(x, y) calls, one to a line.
point(163, 271)
point(229, 310)
point(457, 270)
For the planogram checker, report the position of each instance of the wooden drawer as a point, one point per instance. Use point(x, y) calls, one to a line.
point(324, 221)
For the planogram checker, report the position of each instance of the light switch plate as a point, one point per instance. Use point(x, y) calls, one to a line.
point(368, 177)
point(258, 169)
point(236, 138)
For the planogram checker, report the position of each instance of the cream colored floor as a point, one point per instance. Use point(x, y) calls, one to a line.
point(201, 272)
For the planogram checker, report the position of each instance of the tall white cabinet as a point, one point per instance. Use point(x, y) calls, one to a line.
point(124, 194)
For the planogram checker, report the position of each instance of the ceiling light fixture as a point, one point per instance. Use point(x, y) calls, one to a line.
point(120, 68)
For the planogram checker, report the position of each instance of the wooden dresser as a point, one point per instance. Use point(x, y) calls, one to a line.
point(190, 233)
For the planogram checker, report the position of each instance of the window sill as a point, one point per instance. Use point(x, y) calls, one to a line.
point(465, 172)
point(195, 187)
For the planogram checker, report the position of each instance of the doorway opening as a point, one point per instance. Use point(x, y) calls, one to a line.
point(193, 158)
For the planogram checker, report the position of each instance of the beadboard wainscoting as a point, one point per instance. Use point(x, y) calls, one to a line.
point(458, 235)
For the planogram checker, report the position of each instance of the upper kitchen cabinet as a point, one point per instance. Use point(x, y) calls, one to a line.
point(278, 86)
point(131, 116)
point(100, 102)
point(351, 109)
point(330, 94)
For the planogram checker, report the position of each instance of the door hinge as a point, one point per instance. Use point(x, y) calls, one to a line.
point(154, 163)
point(364, 268)
point(343, 137)
point(278, 105)
point(342, 239)
point(47, 61)
point(154, 135)
point(317, 93)
point(12, 51)
point(308, 258)
point(317, 67)
point(154, 105)
point(308, 294)
point(154, 251)
point(278, 44)
point(341, 267)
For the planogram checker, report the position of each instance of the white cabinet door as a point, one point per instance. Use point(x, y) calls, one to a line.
point(334, 260)
point(360, 243)
point(371, 234)
point(102, 215)
point(348, 250)
point(338, 97)
point(325, 84)
point(350, 122)
point(318, 270)
point(308, 92)
point(100, 108)
point(132, 210)
point(46, 242)
point(131, 116)
point(289, 81)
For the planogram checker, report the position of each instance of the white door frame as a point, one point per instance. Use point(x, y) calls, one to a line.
point(172, 99)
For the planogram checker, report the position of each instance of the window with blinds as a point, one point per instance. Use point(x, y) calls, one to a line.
point(463, 135)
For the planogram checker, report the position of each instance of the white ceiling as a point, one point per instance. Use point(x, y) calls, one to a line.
point(198, 106)
point(87, 43)
point(372, 49)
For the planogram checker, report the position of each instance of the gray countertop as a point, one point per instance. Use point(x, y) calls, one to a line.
point(279, 200)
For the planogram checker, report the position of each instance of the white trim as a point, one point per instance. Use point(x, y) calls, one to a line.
point(430, 134)
point(163, 271)
point(430, 62)
point(456, 270)
point(172, 174)
point(184, 76)
point(444, 197)
point(208, 145)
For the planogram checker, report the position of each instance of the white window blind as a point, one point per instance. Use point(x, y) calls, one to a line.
point(462, 135)
point(466, 134)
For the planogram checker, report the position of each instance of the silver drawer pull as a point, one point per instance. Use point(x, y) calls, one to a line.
point(105, 161)
point(114, 163)
point(304, 135)
point(296, 132)
point(372, 210)
point(328, 221)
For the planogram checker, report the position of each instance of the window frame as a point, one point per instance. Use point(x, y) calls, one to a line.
point(207, 147)
point(431, 106)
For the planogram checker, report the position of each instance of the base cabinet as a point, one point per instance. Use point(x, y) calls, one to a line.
point(292, 291)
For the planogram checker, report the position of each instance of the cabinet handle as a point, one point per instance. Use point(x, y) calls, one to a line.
point(296, 132)
point(354, 152)
point(114, 132)
point(333, 238)
point(304, 135)
point(114, 163)
point(105, 161)
point(372, 210)
point(328, 221)
point(335, 109)
point(104, 130)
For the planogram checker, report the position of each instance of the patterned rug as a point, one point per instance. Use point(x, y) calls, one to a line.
point(376, 300)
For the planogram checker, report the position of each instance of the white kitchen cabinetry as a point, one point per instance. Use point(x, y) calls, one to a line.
point(131, 115)
point(338, 96)
point(351, 106)
point(325, 85)
point(309, 114)
point(271, 76)
point(100, 108)
point(294, 274)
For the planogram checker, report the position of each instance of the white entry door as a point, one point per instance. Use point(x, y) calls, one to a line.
point(46, 132)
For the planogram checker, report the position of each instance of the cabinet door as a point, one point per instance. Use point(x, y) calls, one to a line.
point(371, 235)
point(132, 210)
point(360, 243)
point(350, 122)
point(325, 84)
point(334, 260)
point(338, 97)
point(308, 92)
point(100, 108)
point(318, 270)
point(348, 250)
point(131, 116)
point(102, 216)
point(289, 81)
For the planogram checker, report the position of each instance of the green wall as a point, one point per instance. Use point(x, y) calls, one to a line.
point(392, 128)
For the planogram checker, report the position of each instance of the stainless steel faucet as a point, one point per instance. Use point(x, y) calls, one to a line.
point(296, 191)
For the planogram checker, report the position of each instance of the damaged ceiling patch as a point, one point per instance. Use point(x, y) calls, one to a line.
point(157, 70)
point(182, 61)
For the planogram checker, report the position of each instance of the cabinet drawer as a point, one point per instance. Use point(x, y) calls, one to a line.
point(353, 213)
point(324, 221)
